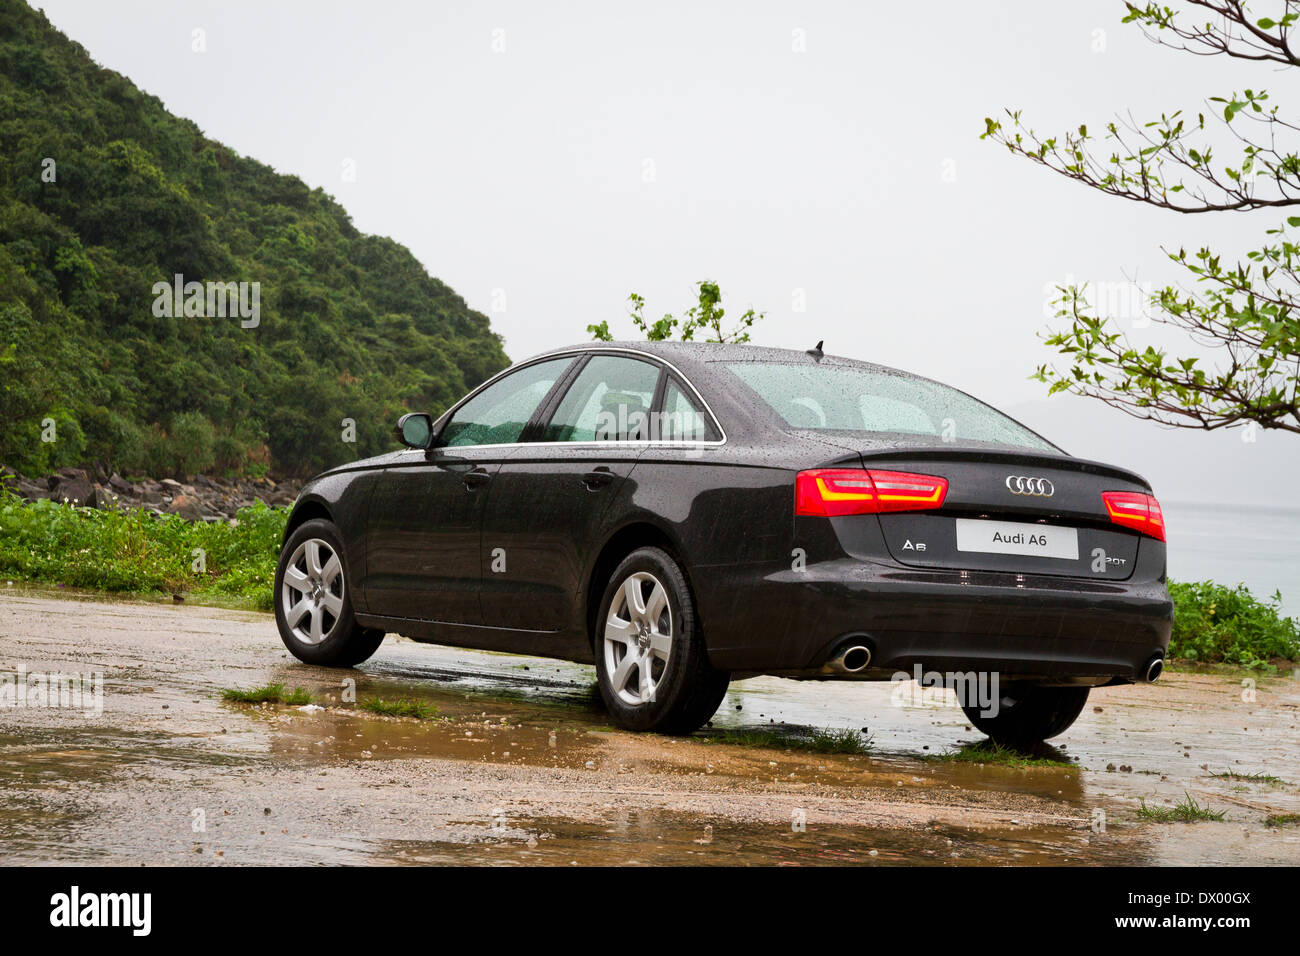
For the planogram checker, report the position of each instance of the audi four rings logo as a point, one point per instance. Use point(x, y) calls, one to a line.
point(1027, 485)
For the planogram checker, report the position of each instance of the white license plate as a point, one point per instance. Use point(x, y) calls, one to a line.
point(1012, 537)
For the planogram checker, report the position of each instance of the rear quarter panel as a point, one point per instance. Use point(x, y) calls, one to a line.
point(732, 523)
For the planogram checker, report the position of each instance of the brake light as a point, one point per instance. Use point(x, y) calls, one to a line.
point(830, 492)
point(1135, 510)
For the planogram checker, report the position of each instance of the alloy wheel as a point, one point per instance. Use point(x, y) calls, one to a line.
point(638, 638)
point(311, 595)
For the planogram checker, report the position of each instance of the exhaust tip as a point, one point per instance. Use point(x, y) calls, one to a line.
point(856, 658)
point(1154, 669)
point(848, 658)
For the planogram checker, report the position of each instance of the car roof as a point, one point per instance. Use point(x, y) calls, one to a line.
point(699, 353)
point(733, 411)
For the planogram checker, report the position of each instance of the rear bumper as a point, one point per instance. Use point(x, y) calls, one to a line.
point(1030, 626)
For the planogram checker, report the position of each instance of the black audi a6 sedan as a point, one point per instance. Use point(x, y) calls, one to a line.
point(682, 514)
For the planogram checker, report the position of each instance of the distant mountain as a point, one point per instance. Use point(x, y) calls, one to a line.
point(1181, 464)
point(105, 198)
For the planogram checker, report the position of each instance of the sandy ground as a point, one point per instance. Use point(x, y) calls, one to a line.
point(522, 766)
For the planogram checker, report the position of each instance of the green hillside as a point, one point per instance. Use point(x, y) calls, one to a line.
point(350, 326)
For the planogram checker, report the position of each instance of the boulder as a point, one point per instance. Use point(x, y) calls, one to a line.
point(74, 490)
point(102, 498)
point(31, 490)
point(187, 506)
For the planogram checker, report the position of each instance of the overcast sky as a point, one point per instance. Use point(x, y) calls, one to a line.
point(820, 160)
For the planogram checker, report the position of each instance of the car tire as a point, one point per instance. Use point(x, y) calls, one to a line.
point(651, 664)
point(1028, 714)
point(313, 600)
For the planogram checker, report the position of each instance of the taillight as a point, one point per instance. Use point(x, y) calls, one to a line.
point(829, 492)
point(1135, 510)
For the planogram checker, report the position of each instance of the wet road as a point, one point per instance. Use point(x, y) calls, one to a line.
point(522, 767)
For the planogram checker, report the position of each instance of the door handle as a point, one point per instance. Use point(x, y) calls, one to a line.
point(597, 478)
point(476, 478)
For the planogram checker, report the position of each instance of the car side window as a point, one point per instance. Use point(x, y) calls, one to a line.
point(609, 400)
point(498, 414)
point(682, 419)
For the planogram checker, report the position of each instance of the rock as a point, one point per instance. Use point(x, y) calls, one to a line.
point(73, 490)
point(202, 498)
point(31, 490)
point(98, 497)
point(187, 506)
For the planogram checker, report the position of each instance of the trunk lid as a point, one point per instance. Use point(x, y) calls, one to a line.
point(1008, 511)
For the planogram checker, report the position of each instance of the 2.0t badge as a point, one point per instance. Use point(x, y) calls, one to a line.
point(1028, 485)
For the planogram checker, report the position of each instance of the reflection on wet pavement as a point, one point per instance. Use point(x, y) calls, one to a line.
point(521, 766)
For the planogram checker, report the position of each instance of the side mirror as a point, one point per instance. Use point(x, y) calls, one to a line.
point(414, 429)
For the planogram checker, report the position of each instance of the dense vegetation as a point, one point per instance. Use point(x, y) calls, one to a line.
point(103, 193)
point(134, 551)
point(137, 552)
point(1222, 625)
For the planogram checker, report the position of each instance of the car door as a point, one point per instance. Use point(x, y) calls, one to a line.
point(427, 509)
point(548, 500)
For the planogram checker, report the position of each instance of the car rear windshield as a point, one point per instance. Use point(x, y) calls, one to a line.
point(856, 399)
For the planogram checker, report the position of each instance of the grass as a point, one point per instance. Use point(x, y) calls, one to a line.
point(270, 694)
point(1267, 778)
point(1189, 811)
point(140, 553)
point(821, 741)
point(988, 752)
point(1279, 820)
point(404, 707)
